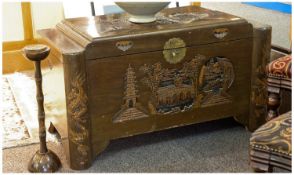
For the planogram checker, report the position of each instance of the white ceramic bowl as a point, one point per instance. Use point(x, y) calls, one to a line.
point(142, 12)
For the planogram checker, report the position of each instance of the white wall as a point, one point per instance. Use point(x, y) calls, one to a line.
point(83, 9)
point(76, 9)
point(12, 26)
point(46, 14)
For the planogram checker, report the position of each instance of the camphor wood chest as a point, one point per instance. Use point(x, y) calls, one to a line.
point(121, 79)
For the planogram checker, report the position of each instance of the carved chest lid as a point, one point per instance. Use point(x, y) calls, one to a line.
point(194, 25)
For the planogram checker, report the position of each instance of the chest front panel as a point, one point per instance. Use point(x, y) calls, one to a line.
point(149, 87)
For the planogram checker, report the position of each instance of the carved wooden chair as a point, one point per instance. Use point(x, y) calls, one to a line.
point(271, 144)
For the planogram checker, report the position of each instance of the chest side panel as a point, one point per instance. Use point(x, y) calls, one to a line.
point(145, 92)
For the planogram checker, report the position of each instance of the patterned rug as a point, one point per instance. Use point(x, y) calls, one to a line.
point(19, 116)
point(14, 129)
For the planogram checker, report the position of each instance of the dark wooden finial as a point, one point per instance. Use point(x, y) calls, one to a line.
point(44, 159)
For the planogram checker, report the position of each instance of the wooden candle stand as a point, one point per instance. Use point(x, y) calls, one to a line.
point(44, 159)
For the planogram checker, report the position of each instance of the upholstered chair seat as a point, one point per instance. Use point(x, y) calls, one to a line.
point(279, 72)
point(271, 144)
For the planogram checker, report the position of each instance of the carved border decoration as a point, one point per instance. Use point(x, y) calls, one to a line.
point(113, 24)
point(180, 18)
point(77, 109)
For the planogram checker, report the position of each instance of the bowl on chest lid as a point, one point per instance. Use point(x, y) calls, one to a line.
point(142, 12)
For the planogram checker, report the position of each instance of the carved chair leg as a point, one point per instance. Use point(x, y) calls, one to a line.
point(269, 170)
point(273, 104)
point(261, 167)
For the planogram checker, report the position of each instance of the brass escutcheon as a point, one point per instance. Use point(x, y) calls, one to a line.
point(174, 50)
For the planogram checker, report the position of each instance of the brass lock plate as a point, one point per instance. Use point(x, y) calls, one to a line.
point(174, 50)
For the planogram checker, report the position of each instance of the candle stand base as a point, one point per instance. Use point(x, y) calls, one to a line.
point(44, 162)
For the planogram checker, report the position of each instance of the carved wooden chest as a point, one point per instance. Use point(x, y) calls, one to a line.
point(121, 79)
